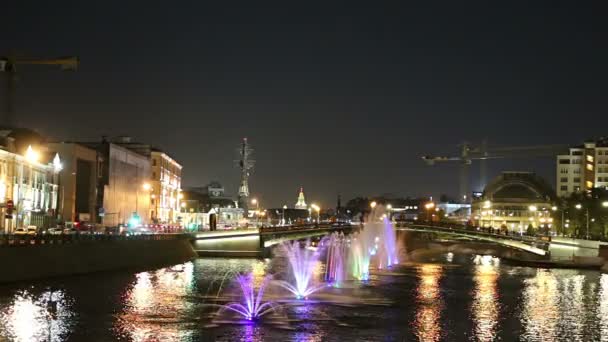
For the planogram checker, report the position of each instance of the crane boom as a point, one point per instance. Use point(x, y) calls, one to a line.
point(469, 153)
point(9, 66)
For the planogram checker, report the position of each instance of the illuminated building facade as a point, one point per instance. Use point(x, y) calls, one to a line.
point(29, 182)
point(513, 201)
point(583, 168)
point(166, 178)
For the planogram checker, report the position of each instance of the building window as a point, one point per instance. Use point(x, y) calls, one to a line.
point(153, 161)
point(576, 180)
point(564, 161)
point(590, 167)
point(153, 174)
point(589, 184)
point(563, 171)
point(563, 188)
point(590, 158)
point(563, 179)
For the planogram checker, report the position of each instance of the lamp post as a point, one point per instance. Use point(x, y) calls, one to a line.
point(389, 208)
point(318, 210)
point(579, 207)
point(284, 207)
point(57, 167)
point(429, 206)
point(555, 208)
point(254, 201)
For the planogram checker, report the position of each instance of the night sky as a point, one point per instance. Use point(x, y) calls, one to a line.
point(336, 98)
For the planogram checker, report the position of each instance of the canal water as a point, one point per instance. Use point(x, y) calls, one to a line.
point(444, 297)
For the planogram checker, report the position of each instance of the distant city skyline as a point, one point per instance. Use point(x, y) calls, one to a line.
point(339, 100)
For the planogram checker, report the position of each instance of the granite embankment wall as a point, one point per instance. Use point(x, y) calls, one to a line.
point(44, 260)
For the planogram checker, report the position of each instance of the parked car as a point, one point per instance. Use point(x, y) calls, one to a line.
point(20, 231)
point(54, 231)
point(70, 231)
point(32, 230)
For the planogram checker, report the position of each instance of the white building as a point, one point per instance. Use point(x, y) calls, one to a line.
point(583, 168)
point(166, 183)
point(29, 182)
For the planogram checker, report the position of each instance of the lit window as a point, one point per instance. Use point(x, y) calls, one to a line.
point(589, 184)
point(590, 158)
point(590, 167)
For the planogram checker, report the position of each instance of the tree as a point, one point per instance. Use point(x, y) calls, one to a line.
point(530, 230)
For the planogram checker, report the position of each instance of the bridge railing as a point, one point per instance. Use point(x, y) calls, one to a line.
point(474, 232)
point(304, 227)
point(11, 240)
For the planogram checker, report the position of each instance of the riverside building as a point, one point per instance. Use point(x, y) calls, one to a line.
point(584, 167)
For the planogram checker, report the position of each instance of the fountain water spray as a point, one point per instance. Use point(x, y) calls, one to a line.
point(337, 252)
point(251, 307)
point(375, 244)
point(302, 262)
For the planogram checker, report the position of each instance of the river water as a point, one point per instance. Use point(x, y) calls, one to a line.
point(442, 298)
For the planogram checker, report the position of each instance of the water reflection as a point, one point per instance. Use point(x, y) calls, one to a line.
point(485, 299)
point(155, 305)
point(427, 326)
point(44, 317)
point(603, 307)
point(540, 316)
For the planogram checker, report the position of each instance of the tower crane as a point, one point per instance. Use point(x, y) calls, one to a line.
point(9, 65)
point(468, 153)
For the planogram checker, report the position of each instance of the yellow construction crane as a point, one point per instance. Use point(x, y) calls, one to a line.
point(9, 65)
point(469, 153)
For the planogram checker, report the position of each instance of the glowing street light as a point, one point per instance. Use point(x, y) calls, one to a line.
point(487, 204)
point(605, 204)
point(318, 210)
point(284, 207)
point(254, 201)
point(532, 208)
point(57, 166)
point(31, 155)
point(147, 186)
point(389, 207)
point(373, 204)
point(579, 207)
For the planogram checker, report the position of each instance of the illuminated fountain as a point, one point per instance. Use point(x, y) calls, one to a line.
point(302, 263)
point(337, 252)
point(251, 306)
point(375, 245)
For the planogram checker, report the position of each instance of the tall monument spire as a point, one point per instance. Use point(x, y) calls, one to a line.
point(246, 163)
point(301, 204)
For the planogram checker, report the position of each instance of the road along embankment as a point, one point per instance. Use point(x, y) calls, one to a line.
point(40, 258)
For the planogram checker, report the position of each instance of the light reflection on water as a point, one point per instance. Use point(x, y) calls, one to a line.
point(44, 317)
point(485, 301)
point(427, 326)
point(501, 303)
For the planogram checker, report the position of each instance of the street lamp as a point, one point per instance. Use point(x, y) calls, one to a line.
point(429, 206)
point(555, 208)
point(605, 204)
point(284, 207)
point(31, 155)
point(254, 201)
point(579, 207)
point(318, 210)
point(373, 204)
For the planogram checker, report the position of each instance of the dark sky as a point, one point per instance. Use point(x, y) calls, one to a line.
point(336, 98)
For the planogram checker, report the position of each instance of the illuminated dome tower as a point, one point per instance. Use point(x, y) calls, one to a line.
point(301, 204)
